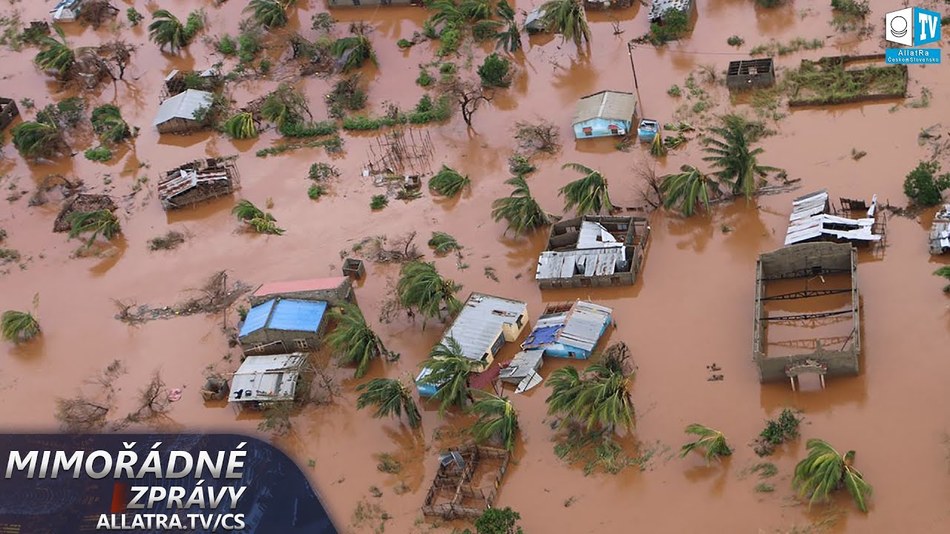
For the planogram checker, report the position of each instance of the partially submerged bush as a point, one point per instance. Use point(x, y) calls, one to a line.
point(424, 79)
point(322, 171)
point(17, 326)
point(520, 165)
point(923, 187)
point(107, 121)
point(378, 202)
point(448, 182)
point(346, 96)
point(675, 24)
point(777, 431)
point(169, 241)
point(495, 71)
point(443, 243)
point(240, 126)
point(99, 153)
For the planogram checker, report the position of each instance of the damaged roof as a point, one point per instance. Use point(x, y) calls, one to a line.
point(810, 220)
point(480, 322)
point(267, 378)
point(611, 105)
point(183, 106)
point(580, 326)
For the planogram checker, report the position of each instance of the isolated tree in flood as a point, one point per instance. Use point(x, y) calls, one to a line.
point(107, 121)
point(686, 190)
point(351, 52)
point(422, 288)
point(40, 139)
point(497, 521)
point(736, 162)
point(449, 370)
point(270, 13)
point(710, 442)
point(566, 17)
point(166, 30)
point(521, 211)
point(825, 470)
point(497, 418)
point(17, 326)
point(353, 339)
point(448, 182)
point(391, 398)
point(589, 195)
point(95, 223)
point(56, 55)
point(598, 398)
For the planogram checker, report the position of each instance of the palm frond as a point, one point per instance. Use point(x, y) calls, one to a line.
point(391, 398)
point(17, 326)
point(353, 339)
point(421, 287)
point(448, 182)
point(496, 418)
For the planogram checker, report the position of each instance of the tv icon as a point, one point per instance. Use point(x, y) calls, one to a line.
point(912, 26)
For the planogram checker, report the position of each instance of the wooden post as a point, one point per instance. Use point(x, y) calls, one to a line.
point(792, 380)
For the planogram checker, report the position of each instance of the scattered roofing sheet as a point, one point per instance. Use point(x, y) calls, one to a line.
point(285, 314)
point(810, 219)
point(183, 106)
point(480, 322)
point(606, 105)
point(267, 378)
point(522, 365)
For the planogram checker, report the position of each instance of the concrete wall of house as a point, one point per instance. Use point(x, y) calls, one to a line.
point(513, 330)
point(281, 341)
point(334, 296)
point(599, 127)
point(739, 82)
point(179, 126)
point(840, 363)
point(614, 280)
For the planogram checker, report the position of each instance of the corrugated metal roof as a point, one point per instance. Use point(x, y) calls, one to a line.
point(291, 286)
point(479, 323)
point(187, 179)
point(594, 235)
point(183, 106)
point(810, 220)
point(660, 7)
point(267, 378)
point(580, 327)
point(606, 105)
point(285, 314)
point(592, 262)
point(523, 364)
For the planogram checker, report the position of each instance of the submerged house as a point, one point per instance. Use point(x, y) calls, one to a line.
point(593, 251)
point(278, 326)
point(196, 182)
point(66, 10)
point(482, 327)
point(750, 74)
point(8, 111)
point(182, 113)
point(177, 82)
point(334, 290)
point(940, 232)
point(825, 340)
point(262, 379)
point(604, 114)
point(661, 7)
point(569, 330)
point(814, 219)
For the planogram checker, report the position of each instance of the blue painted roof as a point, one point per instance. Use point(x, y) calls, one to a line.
point(285, 314)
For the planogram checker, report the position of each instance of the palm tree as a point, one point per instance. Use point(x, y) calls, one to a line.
point(510, 38)
point(686, 190)
point(99, 222)
point(520, 209)
point(391, 398)
point(448, 371)
point(107, 121)
point(448, 182)
point(353, 339)
point(824, 470)
point(589, 194)
point(566, 17)
point(352, 51)
point(240, 126)
point(166, 29)
point(420, 286)
point(711, 442)
point(566, 385)
point(38, 139)
point(17, 326)
point(56, 54)
point(496, 417)
point(446, 12)
point(284, 106)
point(729, 152)
point(245, 210)
point(598, 398)
point(270, 13)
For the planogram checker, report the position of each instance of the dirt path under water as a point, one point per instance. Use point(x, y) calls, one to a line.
point(691, 307)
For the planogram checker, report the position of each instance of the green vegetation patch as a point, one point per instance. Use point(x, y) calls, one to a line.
point(829, 81)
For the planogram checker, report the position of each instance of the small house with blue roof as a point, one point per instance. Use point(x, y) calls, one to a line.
point(569, 330)
point(280, 326)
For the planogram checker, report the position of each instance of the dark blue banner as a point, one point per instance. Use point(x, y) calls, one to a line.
point(67, 483)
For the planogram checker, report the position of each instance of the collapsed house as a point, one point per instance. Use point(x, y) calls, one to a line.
point(940, 232)
point(569, 330)
point(177, 81)
point(334, 290)
point(522, 370)
point(81, 203)
point(280, 325)
point(263, 379)
point(808, 289)
point(750, 74)
point(481, 329)
point(8, 111)
point(184, 113)
point(197, 181)
point(607, 113)
point(659, 8)
point(66, 10)
point(593, 251)
point(814, 219)
point(466, 482)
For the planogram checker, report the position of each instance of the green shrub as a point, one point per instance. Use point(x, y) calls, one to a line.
point(519, 165)
point(425, 79)
point(134, 16)
point(264, 66)
point(100, 153)
point(675, 24)
point(495, 71)
point(923, 187)
point(404, 43)
point(378, 202)
point(674, 91)
point(447, 68)
point(315, 191)
point(770, 3)
point(194, 24)
point(321, 171)
point(314, 129)
point(249, 44)
point(854, 8)
point(226, 45)
point(484, 30)
point(735, 40)
point(449, 41)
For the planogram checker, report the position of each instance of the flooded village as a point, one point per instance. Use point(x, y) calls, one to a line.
point(639, 271)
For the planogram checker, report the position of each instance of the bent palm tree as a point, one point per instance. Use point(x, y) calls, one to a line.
point(107, 121)
point(589, 194)
point(496, 418)
point(420, 286)
point(730, 153)
point(711, 442)
point(448, 182)
point(99, 222)
point(391, 398)
point(166, 29)
point(270, 13)
point(56, 54)
point(824, 470)
point(508, 39)
point(520, 209)
point(449, 370)
point(686, 190)
point(17, 326)
point(353, 339)
point(240, 126)
point(245, 210)
point(566, 17)
point(599, 397)
point(351, 52)
point(37, 139)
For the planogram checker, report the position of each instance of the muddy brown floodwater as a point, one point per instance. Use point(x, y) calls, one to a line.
point(691, 307)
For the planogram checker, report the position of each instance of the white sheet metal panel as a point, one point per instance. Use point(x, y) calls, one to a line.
point(585, 322)
point(479, 323)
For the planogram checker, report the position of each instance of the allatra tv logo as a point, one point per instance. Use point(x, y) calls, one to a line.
point(912, 26)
